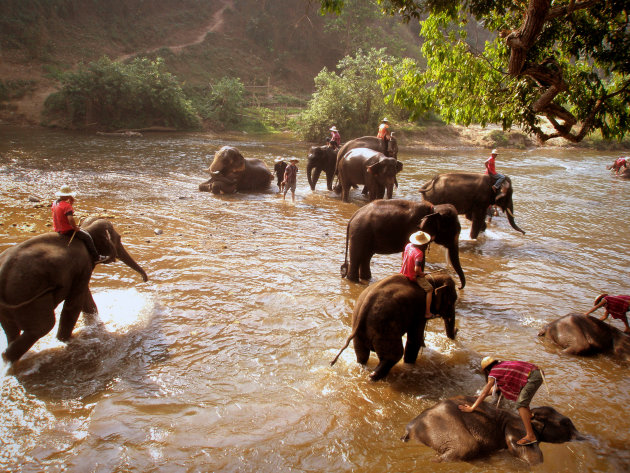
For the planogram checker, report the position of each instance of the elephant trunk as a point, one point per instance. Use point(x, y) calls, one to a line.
point(453, 256)
point(129, 261)
point(312, 174)
point(510, 217)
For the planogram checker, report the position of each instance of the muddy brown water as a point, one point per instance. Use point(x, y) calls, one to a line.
point(220, 361)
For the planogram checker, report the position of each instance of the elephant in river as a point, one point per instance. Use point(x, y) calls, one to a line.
point(321, 158)
point(251, 174)
point(457, 435)
point(219, 184)
point(41, 272)
point(371, 142)
point(388, 309)
point(582, 334)
point(369, 167)
point(384, 227)
point(471, 194)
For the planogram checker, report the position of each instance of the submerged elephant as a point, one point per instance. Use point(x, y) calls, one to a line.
point(321, 158)
point(391, 308)
point(457, 435)
point(251, 174)
point(384, 227)
point(40, 273)
point(582, 334)
point(471, 194)
point(369, 167)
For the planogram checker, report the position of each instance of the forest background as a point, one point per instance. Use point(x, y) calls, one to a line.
point(272, 66)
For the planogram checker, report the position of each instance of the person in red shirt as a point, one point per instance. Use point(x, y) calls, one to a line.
point(384, 135)
point(335, 138)
point(518, 381)
point(290, 178)
point(492, 172)
point(617, 306)
point(413, 265)
point(64, 222)
point(618, 164)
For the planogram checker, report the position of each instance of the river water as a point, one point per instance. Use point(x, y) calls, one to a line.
point(220, 361)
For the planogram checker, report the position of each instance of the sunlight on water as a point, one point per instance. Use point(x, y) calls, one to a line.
point(120, 309)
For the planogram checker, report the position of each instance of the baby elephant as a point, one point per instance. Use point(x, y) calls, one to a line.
point(457, 435)
point(388, 309)
point(585, 335)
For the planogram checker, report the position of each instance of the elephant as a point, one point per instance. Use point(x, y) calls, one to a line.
point(457, 435)
point(625, 174)
point(278, 169)
point(384, 227)
point(471, 194)
point(388, 309)
point(321, 158)
point(580, 334)
point(371, 142)
point(41, 272)
point(369, 167)
point(219, 184)
point(251, 174)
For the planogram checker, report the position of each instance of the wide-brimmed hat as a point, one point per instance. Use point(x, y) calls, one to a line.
point(277, 160)
point(65, 191)
point(294, 159)
point(494, 151)
point(385, 120)
point(334, 128)
point(487, 361)
point(420, 238)
point(599, 298)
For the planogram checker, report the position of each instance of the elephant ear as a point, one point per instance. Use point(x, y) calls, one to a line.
point(399, 166)
point(430, 224)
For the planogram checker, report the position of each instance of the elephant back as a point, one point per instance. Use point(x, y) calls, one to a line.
point(255, 176)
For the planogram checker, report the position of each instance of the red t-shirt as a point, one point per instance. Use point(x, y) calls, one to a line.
point(383, 131)
point(336, 137)
point(490, 168)
point(511, 377)
point(60, 211)
point(411, 255)
point(617, 306)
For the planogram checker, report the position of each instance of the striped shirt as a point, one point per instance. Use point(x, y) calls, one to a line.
point(617, 306)
point(511, 376)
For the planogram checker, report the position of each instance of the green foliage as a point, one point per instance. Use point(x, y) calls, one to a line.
point(15, 89)
point(581, 46)
point(114, 95)
point(221, 102)
point(352, 100)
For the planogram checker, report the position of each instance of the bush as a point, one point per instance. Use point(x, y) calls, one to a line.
point(221, 103)
point(114, 95)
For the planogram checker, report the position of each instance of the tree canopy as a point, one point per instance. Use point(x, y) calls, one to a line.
point(563, 62)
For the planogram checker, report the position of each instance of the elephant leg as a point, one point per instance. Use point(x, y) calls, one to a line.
point(11, 330)
point(355, 260)
point(364, 267)
point(361, 350)
point(89, 306)
point(69, 315)
point(478, 224)
point(30, 335)
point(414, 342)
point(329, 180)
point(389, 351)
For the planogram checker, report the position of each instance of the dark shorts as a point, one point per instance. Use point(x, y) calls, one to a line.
point(527, 393)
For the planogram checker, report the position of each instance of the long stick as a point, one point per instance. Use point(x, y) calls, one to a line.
point(75, 232)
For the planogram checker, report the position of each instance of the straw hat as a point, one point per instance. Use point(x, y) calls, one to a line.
point(293, 160)
point(420, 238)
point(599, 298)
point(385, 120)
point(278, 159)
point(334, 128)
point(487, 361)
point(65, 191)
point(494, 151)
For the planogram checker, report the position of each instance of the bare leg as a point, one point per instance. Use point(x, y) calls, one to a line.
point(427, 312)
point(526, 417)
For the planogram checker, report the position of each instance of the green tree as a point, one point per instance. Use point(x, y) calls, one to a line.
point(117, 95)
point(351, 99)
point(565, 65)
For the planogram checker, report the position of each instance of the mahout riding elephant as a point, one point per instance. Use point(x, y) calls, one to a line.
point(41, 272)
point(582, 334)
point(388, 309)
point(471, 194)
point(321, 158)
point(369, 167)
point(251, 174)
point(457, 435)
point(384, 227)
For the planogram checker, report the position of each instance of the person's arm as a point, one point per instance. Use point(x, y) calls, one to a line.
point(72, 222)
point(484, 394)
point(595, 307)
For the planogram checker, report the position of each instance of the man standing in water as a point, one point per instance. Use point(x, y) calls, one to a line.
point(518, 381)
point(65, 224)
point(290, 178)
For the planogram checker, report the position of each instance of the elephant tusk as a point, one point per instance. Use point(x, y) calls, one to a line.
point(509, 212)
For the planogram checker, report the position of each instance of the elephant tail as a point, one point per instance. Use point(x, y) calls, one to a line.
point(427, 186)
point(352, 335)
point(4, 305)
point(344, 266)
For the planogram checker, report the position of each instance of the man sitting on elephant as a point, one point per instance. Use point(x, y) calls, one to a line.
point(491, 171)
point(384, 135)
point(413, 266)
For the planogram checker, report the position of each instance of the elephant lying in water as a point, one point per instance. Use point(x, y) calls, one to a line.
point(582, 334)
point(40, 273)
point(388, 309)
point(471, 194)
point(384, 227)
point(457, 435)
point(250, 174)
